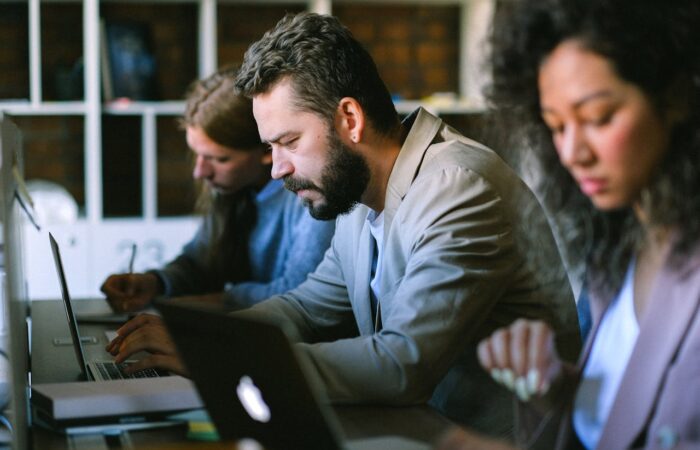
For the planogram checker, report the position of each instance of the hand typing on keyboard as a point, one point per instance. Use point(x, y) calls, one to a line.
point(146, 332)
point(113, 371)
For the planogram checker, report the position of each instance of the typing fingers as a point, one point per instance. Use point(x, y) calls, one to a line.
point(140, 321)
point(151, 338)
point(171, 363)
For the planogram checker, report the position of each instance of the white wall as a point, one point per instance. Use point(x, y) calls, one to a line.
point(90, 252)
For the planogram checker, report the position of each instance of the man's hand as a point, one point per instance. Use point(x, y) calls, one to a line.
point(131, 291)
point(146, 332)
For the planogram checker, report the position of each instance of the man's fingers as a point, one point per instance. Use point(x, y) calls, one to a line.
point(150, 338)
point(139, 321)
point(171, 363)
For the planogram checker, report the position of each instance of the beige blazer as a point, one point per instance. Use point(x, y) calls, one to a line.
point(453, 271)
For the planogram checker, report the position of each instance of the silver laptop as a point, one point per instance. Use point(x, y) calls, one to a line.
point(100, 370)
point(254, 386)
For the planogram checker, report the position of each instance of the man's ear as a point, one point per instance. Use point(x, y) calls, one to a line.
point(350, 119)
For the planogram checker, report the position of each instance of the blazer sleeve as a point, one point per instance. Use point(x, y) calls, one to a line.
point(458, 250)
point(318, 309)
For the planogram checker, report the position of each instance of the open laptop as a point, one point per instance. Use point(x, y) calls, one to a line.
point(253, 384)
point(100, 370)
point(14, 295)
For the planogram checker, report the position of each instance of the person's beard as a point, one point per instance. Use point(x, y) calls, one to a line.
point(343, 181)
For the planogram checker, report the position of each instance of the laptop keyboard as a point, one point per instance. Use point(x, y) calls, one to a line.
point(113, 371)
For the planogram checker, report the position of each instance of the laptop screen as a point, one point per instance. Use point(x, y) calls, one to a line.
point(263, 391)
point(65, 295)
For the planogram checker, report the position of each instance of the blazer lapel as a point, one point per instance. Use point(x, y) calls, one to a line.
point(363, 308)
point(673, 301)
point(423, 129)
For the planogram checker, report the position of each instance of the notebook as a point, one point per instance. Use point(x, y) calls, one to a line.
point(253, 384)
point(93, 369)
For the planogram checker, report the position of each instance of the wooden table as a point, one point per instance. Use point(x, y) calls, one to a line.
point(54, 363)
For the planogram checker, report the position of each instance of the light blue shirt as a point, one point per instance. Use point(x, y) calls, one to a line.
point(285, 245)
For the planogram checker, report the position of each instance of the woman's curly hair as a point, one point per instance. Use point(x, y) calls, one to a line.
point(650, 44)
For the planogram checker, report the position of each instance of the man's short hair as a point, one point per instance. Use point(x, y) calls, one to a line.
point(324, 63)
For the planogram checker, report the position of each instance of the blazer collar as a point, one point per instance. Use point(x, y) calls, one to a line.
point(674, 298)
point(423, 129)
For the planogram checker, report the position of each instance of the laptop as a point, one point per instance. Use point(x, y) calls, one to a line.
point(100, 370)
point(254, 386)
point(98, 401)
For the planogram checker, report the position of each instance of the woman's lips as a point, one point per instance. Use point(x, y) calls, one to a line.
point(592, 186)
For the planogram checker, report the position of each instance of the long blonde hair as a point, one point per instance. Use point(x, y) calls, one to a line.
point(214, 106)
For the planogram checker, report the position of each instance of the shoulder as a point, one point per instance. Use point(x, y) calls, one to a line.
point(470, 159)
point(465, 170)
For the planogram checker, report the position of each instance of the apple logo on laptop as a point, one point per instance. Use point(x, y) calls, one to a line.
point(251, 399)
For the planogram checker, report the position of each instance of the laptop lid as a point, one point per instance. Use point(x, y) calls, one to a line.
point(250, 379)
point(14, 284)
point(65, 295)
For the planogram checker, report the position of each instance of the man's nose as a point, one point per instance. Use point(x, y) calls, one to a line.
point(281, 166)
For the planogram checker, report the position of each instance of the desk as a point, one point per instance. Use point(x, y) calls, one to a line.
point(52, 363)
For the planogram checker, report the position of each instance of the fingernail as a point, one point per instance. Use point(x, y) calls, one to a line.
point(533, 381)
point(521, 389)
point(497, 375)
point(508, 378)
point(544, 388)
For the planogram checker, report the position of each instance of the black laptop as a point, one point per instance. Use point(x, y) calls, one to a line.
point(253, 384)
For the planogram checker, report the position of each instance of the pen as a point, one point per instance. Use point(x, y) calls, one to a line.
point(132, 258)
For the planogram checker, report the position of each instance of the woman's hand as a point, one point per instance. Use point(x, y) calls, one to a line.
point(522, 357)
point(461, 439)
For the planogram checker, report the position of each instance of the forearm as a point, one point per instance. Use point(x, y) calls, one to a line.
point(184, 276)
point(363, 370)
point(303, 251)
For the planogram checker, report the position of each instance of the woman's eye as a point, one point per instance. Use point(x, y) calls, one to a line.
point(555, 129)
point(602, 120)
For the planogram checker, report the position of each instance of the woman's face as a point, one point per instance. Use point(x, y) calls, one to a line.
point(606, 131)
point(227, 170)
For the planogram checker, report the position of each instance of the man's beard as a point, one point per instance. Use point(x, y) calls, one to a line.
point(343, 181)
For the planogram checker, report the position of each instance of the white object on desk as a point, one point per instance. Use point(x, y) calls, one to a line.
point(73, 401)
